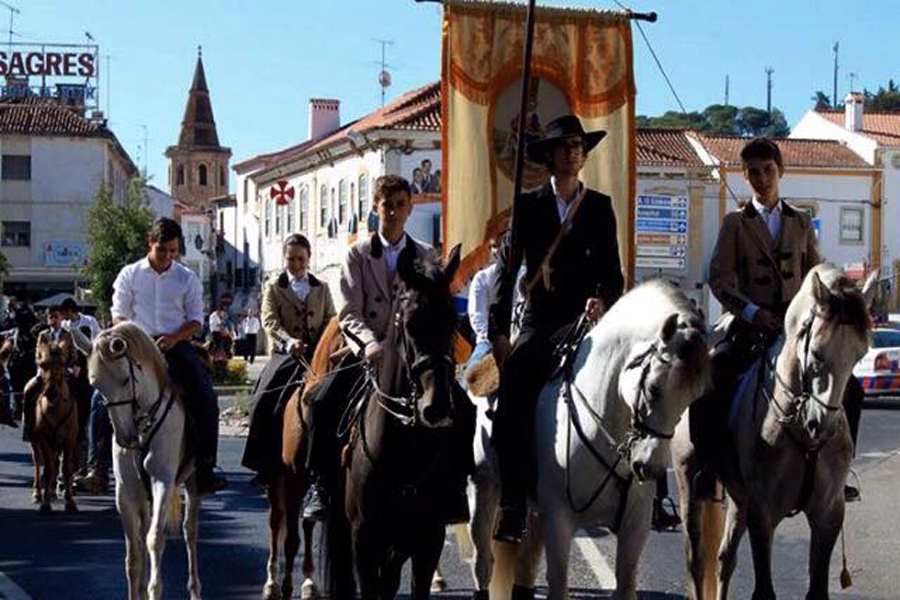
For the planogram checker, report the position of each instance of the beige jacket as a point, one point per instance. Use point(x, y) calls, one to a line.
point(367, 294)
point(748, 266)
point(286, 317)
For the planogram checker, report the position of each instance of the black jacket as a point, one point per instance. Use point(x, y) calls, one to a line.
point(586, 263)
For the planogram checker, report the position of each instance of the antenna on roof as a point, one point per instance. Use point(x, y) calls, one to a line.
point(384, 77)
point(834, 96)
point(13, 11)
point(726, 89)
point(853, 77)
point(769, 71)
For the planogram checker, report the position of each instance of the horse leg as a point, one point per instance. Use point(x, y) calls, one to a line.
point(486, 499)
point(37, 494)
point(824, 531)
point(135, 558)
point(189, 527)
point(735, 526)
point(368, 559)
point(308, 589)
point(390, 577)
point(528, 556)
point(51, 470)
point(271, 590)
point(438, 583)
point(761, 532)
point(558, 531)
point(156, 536)
point(68, 471)
point(425, 561)
point(630, 540)
point(292, 497)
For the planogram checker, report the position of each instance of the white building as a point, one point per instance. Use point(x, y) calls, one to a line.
point(54, 159)
point(875, 136)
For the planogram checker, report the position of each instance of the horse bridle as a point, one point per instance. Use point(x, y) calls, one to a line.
point(147, 422)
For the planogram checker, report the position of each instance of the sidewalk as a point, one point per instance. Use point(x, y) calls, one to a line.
point(232, 420)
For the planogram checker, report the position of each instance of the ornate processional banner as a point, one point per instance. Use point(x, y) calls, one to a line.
point(581, 64)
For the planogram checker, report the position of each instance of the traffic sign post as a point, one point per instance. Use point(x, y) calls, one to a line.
point(661, 226)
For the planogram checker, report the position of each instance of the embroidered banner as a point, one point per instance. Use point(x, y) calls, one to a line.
point(581, 64)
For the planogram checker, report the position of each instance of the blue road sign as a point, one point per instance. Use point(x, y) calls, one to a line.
point(648, 212)
point(662, 201)
point(661, 225)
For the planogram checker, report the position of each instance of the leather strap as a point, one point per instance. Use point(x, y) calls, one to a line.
point(543, 273)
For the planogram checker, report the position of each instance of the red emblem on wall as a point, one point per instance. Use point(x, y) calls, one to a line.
point(281, 193)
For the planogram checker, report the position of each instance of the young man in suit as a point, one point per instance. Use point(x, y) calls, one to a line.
point(581, 276)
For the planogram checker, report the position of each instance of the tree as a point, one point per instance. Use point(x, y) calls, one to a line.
point(822, 100)
point(116, 236)
point(722, 119)
point(886, 99)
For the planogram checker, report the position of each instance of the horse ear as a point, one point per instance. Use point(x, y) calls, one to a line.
point(820, 291)
point(117, 346)
point(870, 288)
point(452, 262)
point(669, 326)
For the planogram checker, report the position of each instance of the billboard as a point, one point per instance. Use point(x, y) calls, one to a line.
point(66, 71)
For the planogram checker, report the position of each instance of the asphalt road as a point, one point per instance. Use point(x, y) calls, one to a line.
point(81, 557)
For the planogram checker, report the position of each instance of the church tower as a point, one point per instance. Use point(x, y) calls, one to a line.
point(198, 165)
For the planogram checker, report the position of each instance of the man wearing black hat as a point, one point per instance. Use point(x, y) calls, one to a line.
point(566, 234)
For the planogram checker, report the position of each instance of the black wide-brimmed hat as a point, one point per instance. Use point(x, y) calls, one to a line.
point(559, 129)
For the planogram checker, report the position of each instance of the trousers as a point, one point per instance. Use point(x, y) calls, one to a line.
point(201, 401)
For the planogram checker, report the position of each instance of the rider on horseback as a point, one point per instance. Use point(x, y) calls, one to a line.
point(165, 299)
point(367, 289)
point(567, 235)
point(296, 308)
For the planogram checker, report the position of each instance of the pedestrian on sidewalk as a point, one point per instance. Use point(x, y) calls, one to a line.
point(250, 327)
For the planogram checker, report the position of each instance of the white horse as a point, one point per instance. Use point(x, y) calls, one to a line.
point(601, 431)
point(150, 460)
point(792, 447)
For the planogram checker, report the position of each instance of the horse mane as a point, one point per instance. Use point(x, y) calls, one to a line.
point(654, 300)
point(141, 349)
point(329, 341)
point(846, 305)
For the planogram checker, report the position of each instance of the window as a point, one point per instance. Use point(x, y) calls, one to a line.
point(16, 167)
point(343, 204)
point(16, 233)
point(363, 210)
point(201, 175)
point(179, 175)
point(291, 209)
point(304, 209)
point(279, 212)
point(268, 218)
point(323, 206)
point(223, 177)
point(851, 225)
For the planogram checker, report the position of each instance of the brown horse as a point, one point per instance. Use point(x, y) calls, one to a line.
point(56, 428)
point(287, 482)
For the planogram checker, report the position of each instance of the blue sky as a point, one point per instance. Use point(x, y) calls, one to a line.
point(265, 59)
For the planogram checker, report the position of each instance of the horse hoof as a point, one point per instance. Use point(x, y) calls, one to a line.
point(308, 589)
point(438, 584)
point(271, 592)
point(45, 509)
point(35, 498)
point(71, 508)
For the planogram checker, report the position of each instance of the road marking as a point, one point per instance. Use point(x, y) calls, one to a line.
point(875, 454)
point(10, 591)
point(605, 576)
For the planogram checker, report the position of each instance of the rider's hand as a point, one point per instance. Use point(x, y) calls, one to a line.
point(594, 309)
point(767, 320)
point(297, 348)
point(500, 347)
point(372, 352)
point(166, 342)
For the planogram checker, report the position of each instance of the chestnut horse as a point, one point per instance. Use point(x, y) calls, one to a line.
point(55, 430)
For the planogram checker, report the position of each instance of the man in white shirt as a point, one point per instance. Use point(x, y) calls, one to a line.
point(481, 297)
point(74, 318)
point(165, 299)
point(250, 330)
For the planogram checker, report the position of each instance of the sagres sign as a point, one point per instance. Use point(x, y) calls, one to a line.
point(66, 71)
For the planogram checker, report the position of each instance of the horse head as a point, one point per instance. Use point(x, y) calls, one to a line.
point(51, 369)
point(423, 329)
point(827, 329)
point(661, 379)
point(129, 370)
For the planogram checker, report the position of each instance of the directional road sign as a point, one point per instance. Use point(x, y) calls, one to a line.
point(658, 262)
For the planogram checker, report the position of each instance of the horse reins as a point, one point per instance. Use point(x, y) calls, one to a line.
point(147, 421)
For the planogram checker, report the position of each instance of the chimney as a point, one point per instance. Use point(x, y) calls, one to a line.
point(853, 111)
point(324, 117)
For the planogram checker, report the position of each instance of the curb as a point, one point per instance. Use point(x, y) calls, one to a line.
point(9, 590)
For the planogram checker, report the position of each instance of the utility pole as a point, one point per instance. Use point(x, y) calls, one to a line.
point(726, 90)
point(384, 78)
point(146, 149)
point(108, 73)
point(13, 11)
point(769, 71)
point(834, 96)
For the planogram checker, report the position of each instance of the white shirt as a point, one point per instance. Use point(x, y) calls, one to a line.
point(159, 303)
point(251, 326)
point(216, 322)
point(392, 252)
point(562, 207)
point(300, 285)
point(80, 321)
point(481, 296)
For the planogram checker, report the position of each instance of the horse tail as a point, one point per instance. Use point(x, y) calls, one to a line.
point(173, 512)
point(711, 525)
point(504, 572)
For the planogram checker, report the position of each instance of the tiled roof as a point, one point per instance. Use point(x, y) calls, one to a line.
point(883, 127)
point(418, 110)
point(666, 148)
point(34, 115)
point(795, 152)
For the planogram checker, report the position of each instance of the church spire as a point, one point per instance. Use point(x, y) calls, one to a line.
point(198, 127)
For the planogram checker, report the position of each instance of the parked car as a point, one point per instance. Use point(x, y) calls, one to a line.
point(879, 369)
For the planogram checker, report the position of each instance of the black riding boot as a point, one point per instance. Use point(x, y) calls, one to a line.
point(703, 435)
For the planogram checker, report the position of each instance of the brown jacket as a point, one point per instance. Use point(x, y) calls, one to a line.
point(748, 266)
point(367, 294)
point(286, 317)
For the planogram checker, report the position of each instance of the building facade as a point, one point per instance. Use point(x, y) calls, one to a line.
point(54, 159)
